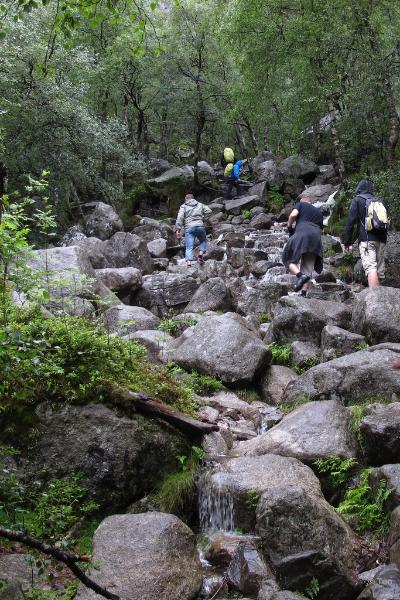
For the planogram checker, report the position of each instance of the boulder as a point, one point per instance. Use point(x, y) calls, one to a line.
point(326, 172)
point(298, 167)
point(124, 280)
point(274, 382)
point(94, 250)
point(318, 193)
point(282, 499)
point(303, 319)
point(392, 259)
point(284, 595)
point(381, 432)
point(151, 230)
point(100, 220)
point(173, 184)
point(337, 342)
point(223, 346)
point(222, 546)
point(18, 573)
point(260, 268)
point(376, 314)
point(314, 430)
point(330, 244)
point(211, 295)
point(72, 236)
point(305, 354)
point(157, 248)
point(261, 190)
point(383, 583)
point(111, 451)
point(69, 268)
point(228, 404)
point(248, 569)
point(268, 171)
point(127, 250)
point(261, 221)
point(351, 378)
point(390, 474)
point(237, 205)
point(123, 319)
point(164, 291)
point(149, 556)
point(394, 537)
point(260, 299)
point(154, 340)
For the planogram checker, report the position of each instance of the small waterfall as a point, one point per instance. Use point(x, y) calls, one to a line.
point(216, 506)
point(263, 428)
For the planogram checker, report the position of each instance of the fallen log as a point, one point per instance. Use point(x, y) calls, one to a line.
point(150, 407)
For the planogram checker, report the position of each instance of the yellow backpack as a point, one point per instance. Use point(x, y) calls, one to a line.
point(229, 155)
point(228, 170)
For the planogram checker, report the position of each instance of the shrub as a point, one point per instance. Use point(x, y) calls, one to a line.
point(337, 469)
point(276, 201)
point(281, 353)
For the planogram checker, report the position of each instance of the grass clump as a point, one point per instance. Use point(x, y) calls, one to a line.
point(337, 469)
point(307, 364)
point(264, 318)
point(276, 201)
point(365, 508)
point(281, 353)
point(194, 382)
point(246, 214)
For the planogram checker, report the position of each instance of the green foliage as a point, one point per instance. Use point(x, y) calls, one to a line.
point(307, 364)
point(312, 590)
point(175, 326)
point(357, 414)
point(387, 186)
point(252, 498)
point(337, 469)
point(246, 214)
point(362, 346)
point(367, 509)
point(264, 317)
point(177, 490)
point(287, 408)
point(195, 382)
point(67, 593)
point(276, 201)
point(281, 353)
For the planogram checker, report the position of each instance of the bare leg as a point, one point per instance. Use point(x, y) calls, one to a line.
point(373, 279)
point(294, 269)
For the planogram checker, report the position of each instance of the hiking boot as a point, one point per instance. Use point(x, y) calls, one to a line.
point(300, 282)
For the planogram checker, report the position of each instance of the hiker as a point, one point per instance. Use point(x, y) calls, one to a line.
point(232, 175)
point(303, 252)
point(191, 217)
point(369, 215)
point(227, 157)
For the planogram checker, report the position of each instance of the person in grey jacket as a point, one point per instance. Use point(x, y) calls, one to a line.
point(191, 217)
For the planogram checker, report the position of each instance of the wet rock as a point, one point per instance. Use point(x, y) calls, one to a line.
point(298, 167)
point(314, 430)
point(123, 319)
point(228, 404)
point(383, 583)
point(390, 474)
point(149, 556)
point(270, 415)
point(248, 569)
point(124, 280)
point(238, 354)
point(268, 589)
point(268, 171)
point(318, 193)
point(336, 342)
point(162, 292)
point(381, 433)
point(111, 451)
point(394, 536)
point(260, 299)
point(214, 445)
point(274, 382)
point(376, 314)
point(101, 220)
point(261, 221)
point(303, 319)
point(211, 295)
point(351, 378)
point(237, 205)
point(127, 250)
point(222, 547)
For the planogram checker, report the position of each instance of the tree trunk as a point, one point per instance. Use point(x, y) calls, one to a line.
point(266, 138)
point(394, 122)
point(3, 178)
point(252, 136)
point(240, 140)
point(336, 139)
point(201, 122)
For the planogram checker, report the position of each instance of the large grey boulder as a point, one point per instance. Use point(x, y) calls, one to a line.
point(149, 556)
point(336, 342)
point(376, 314)
point(237, 205)
point(268, 171)
point(223, 346)
point(211, 295)
point(64, 271)
point(351, 378)
point(248, 569)
point(282, 499)
point(261, 221)
point(127, 250)
point(318, 193)
point(259, 300)
point(151, 230)
point(123, 319)
point(18, 573)
point(162, 292)
point(157, 248)
point(229, 404)
point(383, 583)
point(381, 433)
point(314, 430)
point(93, 248)
point(392, 259)
point(173, 184)
point(111, 451)
point(154, 340)
point(298, 167)
point(124, 280)
point(101, 220)
point(298, 318)
point(274, 381)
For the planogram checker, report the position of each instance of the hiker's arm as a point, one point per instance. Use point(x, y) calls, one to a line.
point(352, 220)
point(292, 218)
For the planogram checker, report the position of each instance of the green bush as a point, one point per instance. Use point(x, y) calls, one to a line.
point(366, 508)
point(276, 201)
point(281, 353)
point(337, 469)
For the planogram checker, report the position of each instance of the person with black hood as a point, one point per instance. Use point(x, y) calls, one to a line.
point(371, 243)
point(303, 252)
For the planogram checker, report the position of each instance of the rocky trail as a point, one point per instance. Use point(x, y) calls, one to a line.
point(292, 369)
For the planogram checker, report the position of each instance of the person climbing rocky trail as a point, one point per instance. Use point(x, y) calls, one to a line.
point(305, 403)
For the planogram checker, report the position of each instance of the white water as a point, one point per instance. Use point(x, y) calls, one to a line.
point(216, 506)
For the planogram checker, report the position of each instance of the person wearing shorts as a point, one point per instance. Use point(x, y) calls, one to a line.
point(372, 243)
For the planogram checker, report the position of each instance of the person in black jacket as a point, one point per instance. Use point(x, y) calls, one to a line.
point(303, 252)
point(372, 243)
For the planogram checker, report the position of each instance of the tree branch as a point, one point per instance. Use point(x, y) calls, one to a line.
point(68, 558)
